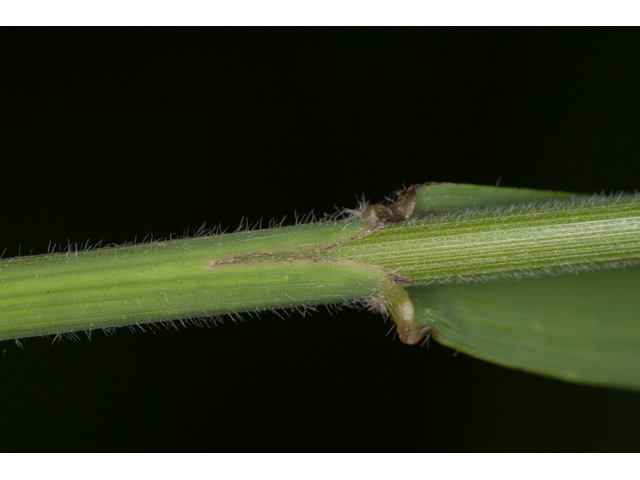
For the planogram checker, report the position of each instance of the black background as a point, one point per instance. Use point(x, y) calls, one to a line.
point(114, 134)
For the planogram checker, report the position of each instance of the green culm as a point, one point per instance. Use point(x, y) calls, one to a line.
point(537, 280)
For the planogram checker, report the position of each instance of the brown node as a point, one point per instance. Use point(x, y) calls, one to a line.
point(400, 211)
point(396, 302)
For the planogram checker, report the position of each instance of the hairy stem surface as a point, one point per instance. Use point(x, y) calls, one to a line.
point(579, 235)
point(369, 258)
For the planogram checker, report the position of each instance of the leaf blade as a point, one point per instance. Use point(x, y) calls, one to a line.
point(440, 198)
point(582, 328)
